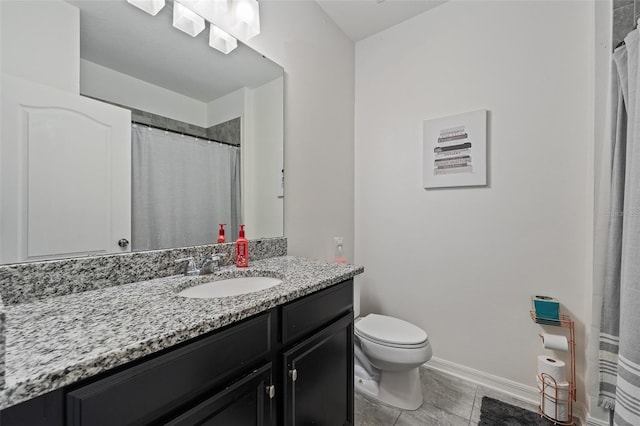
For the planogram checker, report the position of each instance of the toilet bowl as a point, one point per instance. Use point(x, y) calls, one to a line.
point(388, 353)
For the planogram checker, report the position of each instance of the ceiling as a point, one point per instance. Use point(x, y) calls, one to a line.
point(119, 36)
point(360, 19)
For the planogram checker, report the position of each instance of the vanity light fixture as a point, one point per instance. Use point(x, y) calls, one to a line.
point(228, 18)
point(240, 18)
point(221, 40)
point(152, 7)
point(243, 19)
point(186, 20)
point(211, 10)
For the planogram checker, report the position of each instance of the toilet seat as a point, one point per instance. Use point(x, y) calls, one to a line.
point(391, 332)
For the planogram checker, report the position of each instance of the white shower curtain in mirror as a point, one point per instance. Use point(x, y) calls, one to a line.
point(620, 318)
point(182, 188)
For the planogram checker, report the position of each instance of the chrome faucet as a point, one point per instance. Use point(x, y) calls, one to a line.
point(208, 266)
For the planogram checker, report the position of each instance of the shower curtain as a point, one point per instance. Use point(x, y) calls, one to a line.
point(182, 188)
point(620, 316)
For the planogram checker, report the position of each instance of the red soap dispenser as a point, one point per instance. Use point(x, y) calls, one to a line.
point(242, 250)
point(221, 238)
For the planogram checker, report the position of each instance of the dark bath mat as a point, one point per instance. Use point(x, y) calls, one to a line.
point(498, 413)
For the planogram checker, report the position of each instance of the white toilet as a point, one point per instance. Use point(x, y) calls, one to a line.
point(388, 353)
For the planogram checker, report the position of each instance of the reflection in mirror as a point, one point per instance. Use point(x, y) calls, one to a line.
point(207, 147)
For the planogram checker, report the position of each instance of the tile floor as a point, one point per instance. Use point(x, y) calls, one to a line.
point(448, 401)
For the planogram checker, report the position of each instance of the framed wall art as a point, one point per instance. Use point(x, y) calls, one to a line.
point(455, 150)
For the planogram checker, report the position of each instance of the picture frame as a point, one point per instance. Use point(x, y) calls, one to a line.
point(455, 150)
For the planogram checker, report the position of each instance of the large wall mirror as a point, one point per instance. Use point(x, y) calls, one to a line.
point(201, 123)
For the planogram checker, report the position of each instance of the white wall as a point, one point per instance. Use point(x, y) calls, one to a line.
point(110, 85)
point(263, 156)
point(319, 99)
point(227, 107)
point(50, 30)
point(462, 263)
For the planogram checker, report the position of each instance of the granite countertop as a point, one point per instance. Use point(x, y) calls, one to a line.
point(57, 341)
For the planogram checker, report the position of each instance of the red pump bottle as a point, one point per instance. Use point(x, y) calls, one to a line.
point(242, 250)
point(221, 238)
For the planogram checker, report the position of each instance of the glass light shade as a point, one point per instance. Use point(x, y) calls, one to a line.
point(240, 18)
point(211, 10)
point(187, 20)
point(221, 40)
point(245, 19)
point(152, 7)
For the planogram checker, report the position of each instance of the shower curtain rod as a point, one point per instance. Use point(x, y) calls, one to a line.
point(184, 134)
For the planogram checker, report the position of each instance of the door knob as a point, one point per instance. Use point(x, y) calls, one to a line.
point(123, 242)
point(293, 374)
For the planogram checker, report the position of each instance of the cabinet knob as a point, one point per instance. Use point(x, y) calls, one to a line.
point(271, 391)
point(123, 242)
point(293, 374)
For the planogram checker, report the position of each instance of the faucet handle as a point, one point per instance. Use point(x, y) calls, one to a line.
point(216, 258)
point(210, 263)
point(190, 265)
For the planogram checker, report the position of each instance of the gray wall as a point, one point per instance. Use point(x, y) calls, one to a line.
point(625, 15)
point(228, 132)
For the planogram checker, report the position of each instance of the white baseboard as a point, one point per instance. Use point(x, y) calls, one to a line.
point(514, 389)
point(596, 422)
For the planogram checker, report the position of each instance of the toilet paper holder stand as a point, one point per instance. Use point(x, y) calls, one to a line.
point(549, 388)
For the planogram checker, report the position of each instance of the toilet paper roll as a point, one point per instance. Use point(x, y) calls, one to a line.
point(553, 389)
point(552, 367)
point(556, 410)
point(554, 398)
point(555, 342)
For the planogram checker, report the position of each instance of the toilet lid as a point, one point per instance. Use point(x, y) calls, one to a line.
point(390, 330)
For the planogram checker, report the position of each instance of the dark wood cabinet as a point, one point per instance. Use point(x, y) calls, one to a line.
point(45, 410)
point(302, 317)
point(291, 365)
point(247, 402)
point(151, 390)
point(319, 375)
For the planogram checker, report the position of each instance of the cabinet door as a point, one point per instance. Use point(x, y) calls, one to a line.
point(319, 377)
point(65, 174)
point(247, 402)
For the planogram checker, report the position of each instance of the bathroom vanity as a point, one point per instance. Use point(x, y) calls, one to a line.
point(279, 356)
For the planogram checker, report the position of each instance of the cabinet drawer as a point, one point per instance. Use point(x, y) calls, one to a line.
point(152, 389)
point(306, 315)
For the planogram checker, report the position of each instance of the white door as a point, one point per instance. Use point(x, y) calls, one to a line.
point(65, 174)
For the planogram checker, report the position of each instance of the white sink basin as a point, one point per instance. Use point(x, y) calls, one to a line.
point(229, 287)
